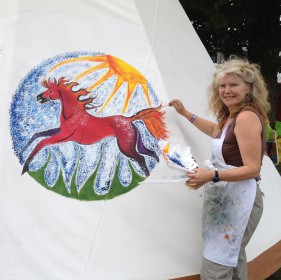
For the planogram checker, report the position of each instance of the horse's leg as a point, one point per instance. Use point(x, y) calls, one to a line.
point(49, 132)
point(133, 154)
point(126, 135)
point(143, 150)
point(58, 138)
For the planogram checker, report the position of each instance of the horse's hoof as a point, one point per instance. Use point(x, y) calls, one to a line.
point(146, 171)
point(156, 158)
point(25, 169)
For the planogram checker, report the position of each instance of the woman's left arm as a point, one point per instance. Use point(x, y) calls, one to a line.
point(248, 131)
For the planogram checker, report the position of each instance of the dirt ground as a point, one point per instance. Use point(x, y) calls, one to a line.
point(275, 276)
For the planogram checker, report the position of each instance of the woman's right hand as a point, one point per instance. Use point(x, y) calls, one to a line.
point(207, 127)
point(178, 105)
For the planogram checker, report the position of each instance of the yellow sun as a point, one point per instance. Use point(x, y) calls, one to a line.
point(123, 71)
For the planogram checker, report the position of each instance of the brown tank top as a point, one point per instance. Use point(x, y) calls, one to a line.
point(230, 148)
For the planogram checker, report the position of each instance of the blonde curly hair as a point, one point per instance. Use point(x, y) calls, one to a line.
point(250, 74)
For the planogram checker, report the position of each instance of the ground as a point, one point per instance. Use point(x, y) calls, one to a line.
point(277, 274)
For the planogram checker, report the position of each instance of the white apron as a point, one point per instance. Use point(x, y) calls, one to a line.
point(226, 211)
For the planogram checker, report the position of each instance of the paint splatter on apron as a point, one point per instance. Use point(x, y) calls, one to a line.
point(226, 211)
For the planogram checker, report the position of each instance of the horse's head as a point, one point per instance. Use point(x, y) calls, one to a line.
point(52, 91)
point(63, 90)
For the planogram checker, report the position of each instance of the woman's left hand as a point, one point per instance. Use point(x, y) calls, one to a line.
point(199, 178)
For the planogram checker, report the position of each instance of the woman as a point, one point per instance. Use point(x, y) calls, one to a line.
point(232, 200)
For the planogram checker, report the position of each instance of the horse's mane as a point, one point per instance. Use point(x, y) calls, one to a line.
point(65, 84)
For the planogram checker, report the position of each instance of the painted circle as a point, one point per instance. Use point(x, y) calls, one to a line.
point(94, 171)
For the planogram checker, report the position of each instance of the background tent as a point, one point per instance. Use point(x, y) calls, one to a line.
point(153, 231)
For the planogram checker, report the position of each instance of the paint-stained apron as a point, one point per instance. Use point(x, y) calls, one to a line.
point(226, 210)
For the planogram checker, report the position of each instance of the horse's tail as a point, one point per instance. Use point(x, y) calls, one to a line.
point(153, 118)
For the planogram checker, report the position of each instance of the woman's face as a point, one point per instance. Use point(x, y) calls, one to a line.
point(233, 90)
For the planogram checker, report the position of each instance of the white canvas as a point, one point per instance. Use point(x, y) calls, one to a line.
point(151, 232)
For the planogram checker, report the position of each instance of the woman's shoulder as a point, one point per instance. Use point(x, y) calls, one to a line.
point(249, 120)
point(249, 112)
point(254, 110)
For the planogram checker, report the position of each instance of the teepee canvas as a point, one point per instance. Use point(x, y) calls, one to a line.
point(85, 191)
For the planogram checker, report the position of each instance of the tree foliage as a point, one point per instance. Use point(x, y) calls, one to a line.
point(246, 28)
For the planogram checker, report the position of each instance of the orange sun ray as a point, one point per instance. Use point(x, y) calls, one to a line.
point(91, 70)
point(131, 88)
point(123, 71)
point(106, 76)
point(118, 84)
point(146, 94)
point(75, 59)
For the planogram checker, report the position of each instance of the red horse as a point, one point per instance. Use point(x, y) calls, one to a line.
point(76, 124)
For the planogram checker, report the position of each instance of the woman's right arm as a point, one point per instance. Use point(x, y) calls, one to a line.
point(207, 127)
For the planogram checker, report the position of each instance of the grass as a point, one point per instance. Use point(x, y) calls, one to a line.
point(87, 191)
